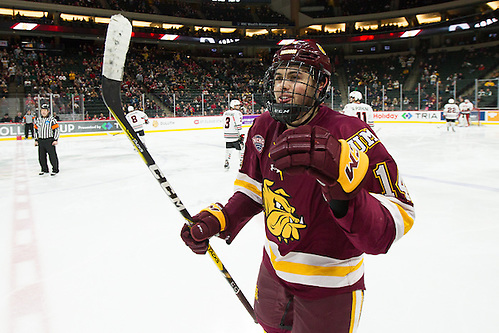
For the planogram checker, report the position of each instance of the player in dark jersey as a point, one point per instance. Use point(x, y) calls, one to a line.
point(330, 193)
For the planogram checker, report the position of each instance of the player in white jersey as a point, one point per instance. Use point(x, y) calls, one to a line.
point(137, 119)
point(358, 109)
point(234, 139)
point(466, 107)
point(451, 114)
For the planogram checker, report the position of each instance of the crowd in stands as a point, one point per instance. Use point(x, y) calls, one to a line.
point(237, 14)
point(372, 75)
point(404, 4)
point(358, 7)
point(166, 82)
point(165, 73)
point(436, 77)
point(207, 9)
point(6, 69)
point(457, 71)
point(176, 8)
point(327, 8)
point(137, 6)
point(79, 3)
point(72, 79)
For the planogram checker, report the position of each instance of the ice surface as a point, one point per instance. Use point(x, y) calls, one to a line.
point(97, 248)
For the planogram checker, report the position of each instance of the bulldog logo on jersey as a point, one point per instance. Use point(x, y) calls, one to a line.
point(258, 142)
point(282, 221)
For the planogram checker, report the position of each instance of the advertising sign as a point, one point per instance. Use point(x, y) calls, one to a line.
point(75, 128)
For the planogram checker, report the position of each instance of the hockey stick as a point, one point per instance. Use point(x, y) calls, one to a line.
point(116, 46)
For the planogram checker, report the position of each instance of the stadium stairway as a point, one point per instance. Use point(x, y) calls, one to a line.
point(413, 78)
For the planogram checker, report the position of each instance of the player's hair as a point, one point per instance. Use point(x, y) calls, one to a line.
point(302, 55)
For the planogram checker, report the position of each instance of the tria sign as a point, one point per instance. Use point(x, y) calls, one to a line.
point(408, 116)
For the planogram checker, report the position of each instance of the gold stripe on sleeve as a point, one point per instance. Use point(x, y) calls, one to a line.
point(248, 186)
point(408, 221)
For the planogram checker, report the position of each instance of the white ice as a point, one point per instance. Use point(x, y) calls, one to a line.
point(97, 247)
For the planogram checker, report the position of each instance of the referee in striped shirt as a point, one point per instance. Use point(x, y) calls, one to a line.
point(46, 136)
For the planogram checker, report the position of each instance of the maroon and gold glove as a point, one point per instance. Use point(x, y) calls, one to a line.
point(338, 168)
point(209, 222)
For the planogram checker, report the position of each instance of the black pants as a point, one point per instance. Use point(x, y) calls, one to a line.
point(27, 129)
point(238, 145)
point(45, 147)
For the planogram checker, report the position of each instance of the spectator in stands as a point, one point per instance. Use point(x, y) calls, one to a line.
point(12, 73)
point(18, 118)
point(6, 118)
point(433, 78)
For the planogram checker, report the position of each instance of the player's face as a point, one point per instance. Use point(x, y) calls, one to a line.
point(294, 85)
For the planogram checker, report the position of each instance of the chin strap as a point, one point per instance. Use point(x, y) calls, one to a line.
point(309, 117)
point(283, 113)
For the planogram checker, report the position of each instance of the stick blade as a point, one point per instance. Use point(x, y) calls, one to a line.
point(119, 33)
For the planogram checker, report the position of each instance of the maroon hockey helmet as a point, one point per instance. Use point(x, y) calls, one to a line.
point(305, 51)
point(308, 56)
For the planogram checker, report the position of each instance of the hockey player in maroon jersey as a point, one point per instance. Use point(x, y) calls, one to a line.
point(330, 193)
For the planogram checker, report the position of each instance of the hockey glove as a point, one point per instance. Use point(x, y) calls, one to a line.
point(209, 222)
point(338, 168)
